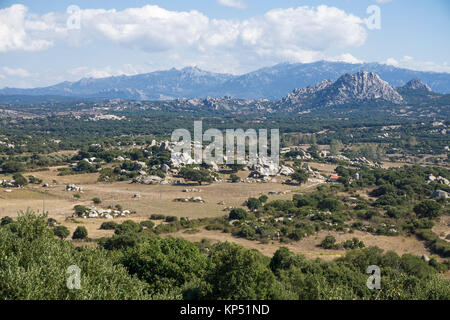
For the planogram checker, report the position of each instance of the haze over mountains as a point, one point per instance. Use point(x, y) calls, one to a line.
point(272, 83)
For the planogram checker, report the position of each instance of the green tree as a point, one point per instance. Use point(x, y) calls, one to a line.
point(200, 175)
point(34, 264)
point(237, 273)
point(20, 179)
point(165, 264)
point(12, 167)
point(80, 233)
point(61, 232)
point(301, 176)
point(335, 147)
point(253, 204)
point(238, 214)
point(428, 209)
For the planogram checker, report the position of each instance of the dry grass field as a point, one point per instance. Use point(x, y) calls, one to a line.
point(309, 246)
point(156, 199)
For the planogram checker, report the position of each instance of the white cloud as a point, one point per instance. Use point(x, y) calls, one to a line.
point(297, 33)
point(19, 72)
point(383, 1)
point(20, 31)
point(233, 4)
point(391, 62)
point(346, 57)
point(108, 71)
point(409, 62)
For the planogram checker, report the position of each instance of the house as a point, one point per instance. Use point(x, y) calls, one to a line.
point(333, 178)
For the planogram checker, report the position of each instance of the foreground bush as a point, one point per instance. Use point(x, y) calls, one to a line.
point(33, 265)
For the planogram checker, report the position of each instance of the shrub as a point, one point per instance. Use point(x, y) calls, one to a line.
point(353, 244)
point(301, 176)
point(171, 219)
point(329, 204)
point(157, 217)
point(20, 179)
point(122, 241)
point(253, 204)
point(96, 200)
point(234, 178)
point(61, 232)
point(238, 214)
point(329, 243)
point(428, 209)
point(6, 220)
point(108, 225)
point(147, 224)
point(80, 233)
point(263, 198)
point(128, 226)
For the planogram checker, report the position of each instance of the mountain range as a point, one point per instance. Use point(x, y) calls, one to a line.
point(272, 83)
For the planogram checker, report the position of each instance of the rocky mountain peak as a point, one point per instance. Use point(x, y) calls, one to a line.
point(360, 87)
point(417, 84)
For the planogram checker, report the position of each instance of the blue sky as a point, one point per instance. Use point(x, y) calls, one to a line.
point(38, 47)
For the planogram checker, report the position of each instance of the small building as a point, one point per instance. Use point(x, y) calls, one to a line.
point(333, 178)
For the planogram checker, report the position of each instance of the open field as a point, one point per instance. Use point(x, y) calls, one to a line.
point(156, 199)
point(309, 246)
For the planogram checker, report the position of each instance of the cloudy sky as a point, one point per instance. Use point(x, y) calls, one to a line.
point(45, 42)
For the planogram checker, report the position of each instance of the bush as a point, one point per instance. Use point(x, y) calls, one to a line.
point(353, 244)
point(329, 204)
point(171, 219)
point(20, 179)
point(61, 232)
point(80, 233)
point(157, 217)
point(301, 176)
point(128, 226)
point(234, 178)
point(428, 209)
point(96, 200)
point(6, 220)
point(148, 224)
point(247, 232)
point(253, 204)
point(122, 241)
point(80, 210)
point(263, 198)
point(329, 243)
point(109, 225)
point(238, 214)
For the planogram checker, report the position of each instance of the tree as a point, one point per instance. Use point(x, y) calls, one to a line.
point(329, 204)
point(34, 266)
point(301, 176)
point(238, 214)
point(237, 273)
point(335, 147)
point(234, 178)
point(80, 233)
point(428, 209)
point(12, 167)
point(329, 243)
point(20, 180)
point(200, 175)
point(253, 204)
point(165, 264)
point(128, 226)
point(61, 232)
